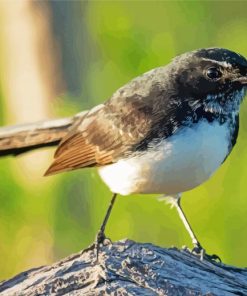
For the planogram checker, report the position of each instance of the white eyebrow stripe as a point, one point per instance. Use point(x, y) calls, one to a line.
point(223, 64)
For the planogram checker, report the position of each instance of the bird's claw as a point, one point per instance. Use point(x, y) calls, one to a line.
point(200, 252)
point(100, 240)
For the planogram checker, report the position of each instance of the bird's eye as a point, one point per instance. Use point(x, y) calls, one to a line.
point(213, 73)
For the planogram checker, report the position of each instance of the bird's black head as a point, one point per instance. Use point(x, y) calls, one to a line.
point(214, 77)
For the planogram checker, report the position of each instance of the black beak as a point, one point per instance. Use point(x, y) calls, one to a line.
point(242, 80)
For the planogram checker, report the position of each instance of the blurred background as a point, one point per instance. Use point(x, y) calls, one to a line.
point(58, 58)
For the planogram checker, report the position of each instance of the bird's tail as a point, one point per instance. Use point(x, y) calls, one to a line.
point(15, 140)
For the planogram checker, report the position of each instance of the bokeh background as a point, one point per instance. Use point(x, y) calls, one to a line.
point(58, 58)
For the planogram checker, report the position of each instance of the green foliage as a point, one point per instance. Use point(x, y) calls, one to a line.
point(62, 215)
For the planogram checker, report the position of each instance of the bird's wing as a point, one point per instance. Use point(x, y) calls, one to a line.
point(111, 130)
point(100, 138)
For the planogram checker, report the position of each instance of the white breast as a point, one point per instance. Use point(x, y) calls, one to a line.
point(177, 164)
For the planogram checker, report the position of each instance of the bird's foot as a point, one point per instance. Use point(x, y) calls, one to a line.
point(200, 252)
point(100, 240)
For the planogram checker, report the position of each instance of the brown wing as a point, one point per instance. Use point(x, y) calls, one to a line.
point(99, 139)
point(109, 131)
point(79, 155)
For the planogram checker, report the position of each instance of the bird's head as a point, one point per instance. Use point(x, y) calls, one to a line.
point(215, 78)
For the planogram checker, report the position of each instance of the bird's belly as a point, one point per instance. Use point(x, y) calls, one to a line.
point(177, 164)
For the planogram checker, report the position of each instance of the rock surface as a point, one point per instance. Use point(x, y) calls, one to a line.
point(130, 268)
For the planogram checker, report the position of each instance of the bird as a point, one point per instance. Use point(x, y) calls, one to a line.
point(165, 132)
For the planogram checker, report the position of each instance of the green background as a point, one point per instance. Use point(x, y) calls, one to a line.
point(49, 218)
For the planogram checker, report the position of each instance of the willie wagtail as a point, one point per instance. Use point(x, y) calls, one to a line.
point(166, 131)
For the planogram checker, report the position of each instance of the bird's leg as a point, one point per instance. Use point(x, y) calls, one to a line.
point(198, 249)
point(195, 242)
point(100, 237)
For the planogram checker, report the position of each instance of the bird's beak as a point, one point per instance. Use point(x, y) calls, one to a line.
point(242, 80)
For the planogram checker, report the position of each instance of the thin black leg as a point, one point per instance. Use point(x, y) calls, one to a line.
point(101, 233)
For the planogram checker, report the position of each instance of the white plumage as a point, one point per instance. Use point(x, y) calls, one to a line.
point(177, 164)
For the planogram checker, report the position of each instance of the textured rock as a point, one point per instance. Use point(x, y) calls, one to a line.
point(129, 268)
